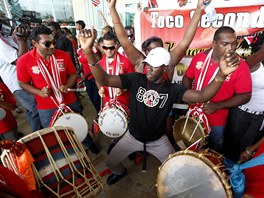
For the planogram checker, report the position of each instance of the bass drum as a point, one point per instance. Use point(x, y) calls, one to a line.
point(189, 133)
point(190, 174)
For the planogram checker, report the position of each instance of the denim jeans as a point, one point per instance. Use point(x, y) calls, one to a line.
point(11, 135)
point(46, 115)
point(216, 138)
point(27, 100)
point(92, 91)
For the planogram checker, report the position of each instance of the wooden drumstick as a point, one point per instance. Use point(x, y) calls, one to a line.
point(77, 89)
point(195, 129)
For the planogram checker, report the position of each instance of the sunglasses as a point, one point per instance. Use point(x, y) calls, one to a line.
point(49, 43)
point(109, 48)
point(130, 36)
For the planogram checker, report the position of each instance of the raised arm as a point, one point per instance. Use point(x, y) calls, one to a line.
point(21, 40)
point(255, 58)
point(135, 56)
point(180, 49)
point(86, 38)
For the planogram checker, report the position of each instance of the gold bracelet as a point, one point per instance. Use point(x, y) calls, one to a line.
point(216, 79)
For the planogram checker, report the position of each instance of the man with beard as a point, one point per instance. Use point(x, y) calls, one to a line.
point(48, 73)
point(151, 99)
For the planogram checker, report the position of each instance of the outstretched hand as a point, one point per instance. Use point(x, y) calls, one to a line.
point(182, 2)
point(87, 38)
point(111, 3)
point(201, 3)
point(229, 62)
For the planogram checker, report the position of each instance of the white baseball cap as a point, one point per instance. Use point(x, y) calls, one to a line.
point(157, 57)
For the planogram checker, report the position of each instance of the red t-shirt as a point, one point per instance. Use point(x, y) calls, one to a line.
point(8, 122)
point(125, 67)
point(86, 68)
point(28, 71)
point(255, 178)
point(238, 82)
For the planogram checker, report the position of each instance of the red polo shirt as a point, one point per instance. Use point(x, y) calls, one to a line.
point(238, 82)
point(125, 67)
point(28, 71)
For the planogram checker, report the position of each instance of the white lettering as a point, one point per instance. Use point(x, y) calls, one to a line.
point(243, 19)
point(166, 21)
point(230, 19)
point(258, 19)
point(236, 20)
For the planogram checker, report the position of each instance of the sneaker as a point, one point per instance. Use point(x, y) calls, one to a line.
point(113, 178)
point(94, 149)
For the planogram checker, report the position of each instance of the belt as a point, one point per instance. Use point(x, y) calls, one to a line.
point(250, 111)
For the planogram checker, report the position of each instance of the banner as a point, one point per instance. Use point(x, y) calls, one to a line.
point(170, 26)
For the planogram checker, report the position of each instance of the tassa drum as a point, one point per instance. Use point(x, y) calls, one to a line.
point(190, 133)
point(61, 166)
point(191, 174)
point(113, 120)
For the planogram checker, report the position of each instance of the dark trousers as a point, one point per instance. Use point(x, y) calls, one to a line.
point(92, 91)
point(241, 131)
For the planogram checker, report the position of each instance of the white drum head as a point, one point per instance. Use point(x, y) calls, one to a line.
point(188, 176)
point(76, 121)
point(2, 113)
point(112, 122)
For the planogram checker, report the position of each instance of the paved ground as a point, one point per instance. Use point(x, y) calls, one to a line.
point(134, 185)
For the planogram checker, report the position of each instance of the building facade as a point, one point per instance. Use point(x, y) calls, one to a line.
point(66, 12)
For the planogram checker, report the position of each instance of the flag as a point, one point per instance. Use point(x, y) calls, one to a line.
point(96, 2)
point(152, 4)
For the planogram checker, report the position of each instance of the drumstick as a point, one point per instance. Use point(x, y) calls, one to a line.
point(77, 89)
point(195, 129)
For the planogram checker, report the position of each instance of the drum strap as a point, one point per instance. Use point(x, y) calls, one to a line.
point(144, 168)
point(59, 112)
point(204, 69)
point(53, 80)
point(197, 111)
point(115, 71)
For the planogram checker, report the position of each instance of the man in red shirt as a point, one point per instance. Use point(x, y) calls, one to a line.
point(48, 73)
point(114, 63)
point(236, 88)
point(8, 125)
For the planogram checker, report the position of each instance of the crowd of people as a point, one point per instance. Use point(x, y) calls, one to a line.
point(229, 93)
